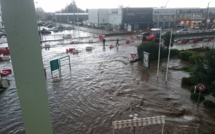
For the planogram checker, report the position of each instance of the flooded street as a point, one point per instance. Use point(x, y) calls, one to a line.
point(104, 86)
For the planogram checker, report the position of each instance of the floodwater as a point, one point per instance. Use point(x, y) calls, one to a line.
point(104, 86)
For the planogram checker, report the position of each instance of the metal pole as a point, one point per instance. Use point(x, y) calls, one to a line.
point(73, 14)
point(207, 14)
point(162, 128)
point(158, 67)
point(198, 99)
point(167, 67)
point(67, 13)
point(213, 41)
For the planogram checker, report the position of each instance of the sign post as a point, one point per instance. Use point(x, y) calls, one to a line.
point(146, 59)
point(200, 87)
point(133, 56)
point(54, 64)
point(57, 64)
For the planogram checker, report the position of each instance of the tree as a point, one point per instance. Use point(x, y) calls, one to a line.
point(166, 38)
point(205, 71)
point(72, 8)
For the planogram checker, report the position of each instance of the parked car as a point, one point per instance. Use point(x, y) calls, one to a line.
point(181, 26)
point(2, 33)
point(44, 31)
point(213, 29)
point(186, 30)
point(196, 29)
point(55, 29)
point(69, 28)
point(144, 34)
point(79, 23)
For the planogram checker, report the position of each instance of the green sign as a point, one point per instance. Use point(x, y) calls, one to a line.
point(54, 65)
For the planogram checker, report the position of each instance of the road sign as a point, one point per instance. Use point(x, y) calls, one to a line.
point(201, 87)
point(133, 56)
point(54, 64)
point(145, 60)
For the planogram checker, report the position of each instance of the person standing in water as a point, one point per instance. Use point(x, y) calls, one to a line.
point(103, 41)
point(117, 42)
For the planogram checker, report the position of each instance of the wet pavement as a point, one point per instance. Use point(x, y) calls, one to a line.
point(103, 87)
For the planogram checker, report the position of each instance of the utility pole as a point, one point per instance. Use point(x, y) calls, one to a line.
point(67, 13)
point(73, 14)
point(207, 14)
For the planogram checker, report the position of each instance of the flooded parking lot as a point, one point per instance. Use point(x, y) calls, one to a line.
point(104, 86)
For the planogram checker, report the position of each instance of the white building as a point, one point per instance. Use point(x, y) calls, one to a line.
point(104, 16)
point(164, 17)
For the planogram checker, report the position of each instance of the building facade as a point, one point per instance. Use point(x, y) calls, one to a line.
point(211, 16)
point(164, 17)
point(191, 17)
point(103, 16)
point(135, 19)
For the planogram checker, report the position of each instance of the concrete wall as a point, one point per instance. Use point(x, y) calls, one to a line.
point(93, 15)
point(103, 16)
point(115, 16)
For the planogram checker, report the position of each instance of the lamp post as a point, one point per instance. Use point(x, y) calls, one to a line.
point(158, 67)
point(167, 66)
point(38, 19)
point(207, 14)
point(133, 116)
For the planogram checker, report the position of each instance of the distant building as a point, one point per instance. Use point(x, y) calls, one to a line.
point(191, 16)
point(135, 19)
point(99, 17)
point(67, 17)
point(128, 19)
point(164, 17)
point(211, 15)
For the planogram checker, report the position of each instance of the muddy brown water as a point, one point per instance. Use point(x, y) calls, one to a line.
point(103, 87)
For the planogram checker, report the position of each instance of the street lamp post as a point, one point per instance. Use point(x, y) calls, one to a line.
point(159, 54)
point(167, 66)
point(207, 14)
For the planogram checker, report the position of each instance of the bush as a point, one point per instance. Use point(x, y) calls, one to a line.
point(195, 58)
point(186, 81)
point(174, 52)
point(209, 104)
point(194, 97)
point(152, 48)
point(188, 69)
point(184, 55)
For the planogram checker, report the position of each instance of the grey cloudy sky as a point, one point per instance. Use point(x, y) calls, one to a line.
point(56, 5)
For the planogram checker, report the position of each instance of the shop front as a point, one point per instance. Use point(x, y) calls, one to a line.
point(135, 19)
point(190, 17)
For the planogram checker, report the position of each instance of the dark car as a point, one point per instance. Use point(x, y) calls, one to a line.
point(44, 31)
point(2, 33)
point(144, 34)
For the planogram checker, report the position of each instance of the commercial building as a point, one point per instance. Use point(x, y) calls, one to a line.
point(135, 19)
point(106, 16)
point(191, 16)
point(164, 17)
point(67, 17)
point(128, 19)
point(211, 16)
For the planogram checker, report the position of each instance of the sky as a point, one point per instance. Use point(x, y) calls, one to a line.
point(56, 5)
